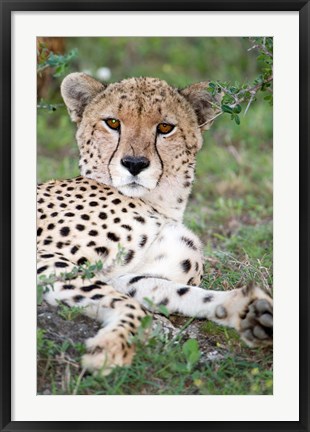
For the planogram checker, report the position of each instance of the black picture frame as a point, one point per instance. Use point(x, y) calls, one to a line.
point(7, 7)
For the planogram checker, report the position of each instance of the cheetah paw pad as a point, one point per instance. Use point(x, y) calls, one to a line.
point(256, 326)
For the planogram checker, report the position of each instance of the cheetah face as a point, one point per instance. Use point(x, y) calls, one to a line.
point(139, 133)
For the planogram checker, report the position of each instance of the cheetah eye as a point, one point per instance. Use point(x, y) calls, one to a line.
point(113, 123)
point(165, 128)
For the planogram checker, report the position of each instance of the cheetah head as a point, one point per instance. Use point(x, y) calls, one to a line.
point(138, 134)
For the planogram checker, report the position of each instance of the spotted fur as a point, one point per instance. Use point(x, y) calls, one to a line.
point(132, 192)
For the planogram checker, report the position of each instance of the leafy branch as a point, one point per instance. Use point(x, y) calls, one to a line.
point(49, 107)
point(234, 95)
point(85, 271)
point(48, 59)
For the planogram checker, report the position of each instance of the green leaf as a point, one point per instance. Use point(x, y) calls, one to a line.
point(57, 61)
point(191, 351)
point(60, 70)
point(227, 100)
point(237, 119)
point(233, 90)
point(237, 109)
point(99, 265)
point(163, 310)
point(226, 109)
point(146, 322)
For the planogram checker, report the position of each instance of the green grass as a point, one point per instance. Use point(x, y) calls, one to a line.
point(69, 313)
point(230, 210)
point(160, 367)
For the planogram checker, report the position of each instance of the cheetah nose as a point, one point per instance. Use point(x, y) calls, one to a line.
point(135, 164)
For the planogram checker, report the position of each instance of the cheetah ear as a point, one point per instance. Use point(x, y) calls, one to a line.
point(205, 106)
point(77, 90)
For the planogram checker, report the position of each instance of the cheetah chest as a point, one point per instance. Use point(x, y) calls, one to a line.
point(87, 221)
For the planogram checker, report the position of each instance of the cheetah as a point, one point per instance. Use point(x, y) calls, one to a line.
point(138, 140)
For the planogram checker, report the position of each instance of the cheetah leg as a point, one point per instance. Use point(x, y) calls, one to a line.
point(248, 310)
point(120, 314)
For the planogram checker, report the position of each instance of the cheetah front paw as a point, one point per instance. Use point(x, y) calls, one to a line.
point(256, 325)
point(105, 351)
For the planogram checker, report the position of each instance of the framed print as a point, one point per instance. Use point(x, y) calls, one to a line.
point(169, 147)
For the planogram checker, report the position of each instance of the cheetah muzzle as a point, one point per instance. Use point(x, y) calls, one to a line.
point(138, 141)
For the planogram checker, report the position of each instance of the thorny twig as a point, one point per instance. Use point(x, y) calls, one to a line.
point(244, 94)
